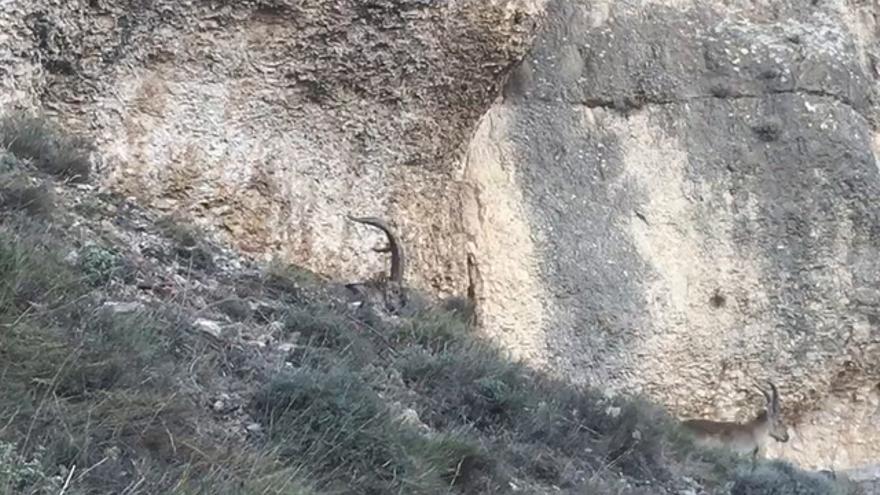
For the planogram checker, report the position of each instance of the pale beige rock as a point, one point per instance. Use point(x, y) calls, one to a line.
point(840, 434)
point(714, 321)
point(511, 304)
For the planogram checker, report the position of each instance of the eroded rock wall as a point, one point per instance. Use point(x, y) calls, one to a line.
point(269, 120)
point(697, 208)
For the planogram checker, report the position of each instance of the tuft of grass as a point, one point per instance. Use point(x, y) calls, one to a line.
point(284, 278)
point(454, 457)
point(334, 422)
point(119, 350)
point(781, 478)
point(32, 272)
point(19, 195)
point(325, 335)
point(52, 151)
point(470, 382)
point(434, 329)
point(321, 327)
point(334, 419)
point(191, 244)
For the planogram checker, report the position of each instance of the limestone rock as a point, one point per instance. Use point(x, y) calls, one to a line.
point(679, 198)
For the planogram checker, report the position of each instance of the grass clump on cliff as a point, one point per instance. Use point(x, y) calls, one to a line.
point(34, 199)
point(336, 421)
point(21, 192)
point(780, 478)
point(190, 244)
point(36, 139)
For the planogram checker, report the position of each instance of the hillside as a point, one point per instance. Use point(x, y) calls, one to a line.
point(614, 213)
point(139, 356)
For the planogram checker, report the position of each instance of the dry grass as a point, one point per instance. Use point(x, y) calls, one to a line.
point(37, 139)
point(97, 394)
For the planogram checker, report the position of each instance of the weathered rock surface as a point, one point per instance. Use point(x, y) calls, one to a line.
point(272, 120)
point(683, 198)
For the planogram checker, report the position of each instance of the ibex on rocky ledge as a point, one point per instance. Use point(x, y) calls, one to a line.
point(744, 438)
point(391, 287)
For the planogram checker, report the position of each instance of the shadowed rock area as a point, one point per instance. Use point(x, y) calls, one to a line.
point(699, 208)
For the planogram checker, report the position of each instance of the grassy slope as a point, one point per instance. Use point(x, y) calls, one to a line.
point(111, 381)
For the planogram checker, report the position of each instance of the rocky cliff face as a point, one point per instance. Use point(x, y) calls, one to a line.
point(669, 197)
point(691, 199)
point(271, 119)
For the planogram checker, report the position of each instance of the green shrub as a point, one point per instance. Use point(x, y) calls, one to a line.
point(10, 162)
point(19, 476)
point(99, 264)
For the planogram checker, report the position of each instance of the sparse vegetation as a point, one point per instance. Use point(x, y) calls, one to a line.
point(100, 392)
point(100, 397)
point(35, 199)
point(780, 478)
point(36, 139)
point(99, 264)
point(190, 244)
point(19, 191)
point(288, 278)
point(89, 389)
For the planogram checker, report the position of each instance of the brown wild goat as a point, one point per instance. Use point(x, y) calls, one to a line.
point(391, 287)
point(744, 438)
